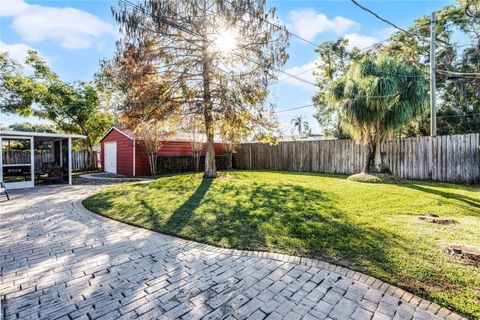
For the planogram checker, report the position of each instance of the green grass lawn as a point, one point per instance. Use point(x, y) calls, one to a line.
point(371, 228)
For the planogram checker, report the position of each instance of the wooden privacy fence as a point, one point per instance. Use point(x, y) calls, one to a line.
point(80, 161)
point(454, 158)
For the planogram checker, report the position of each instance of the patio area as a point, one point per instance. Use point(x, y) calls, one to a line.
point(32, 158)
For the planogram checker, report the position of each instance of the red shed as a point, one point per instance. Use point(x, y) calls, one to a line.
point(122, 153)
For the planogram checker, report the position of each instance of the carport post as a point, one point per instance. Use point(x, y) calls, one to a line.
point(61, 152)
point(69, 160)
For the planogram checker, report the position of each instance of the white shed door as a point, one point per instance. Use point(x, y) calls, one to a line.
point(110, 157)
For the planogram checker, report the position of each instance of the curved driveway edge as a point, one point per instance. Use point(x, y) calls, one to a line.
point(58, 260)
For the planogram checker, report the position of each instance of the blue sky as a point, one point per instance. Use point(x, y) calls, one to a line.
point(74, 35)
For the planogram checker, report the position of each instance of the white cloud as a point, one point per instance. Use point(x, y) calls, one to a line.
point(13, 7)
point(360, 41)
point(73, 28)
point(308, 23)
point(16, 51)
point(386, 32)
point(304, 71)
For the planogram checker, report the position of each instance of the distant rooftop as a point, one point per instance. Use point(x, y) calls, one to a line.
point(312, 137)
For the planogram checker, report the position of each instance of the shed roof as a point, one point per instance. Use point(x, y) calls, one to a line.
point(179, 136)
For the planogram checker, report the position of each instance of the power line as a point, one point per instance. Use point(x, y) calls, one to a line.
point(295, 76)
point(276, 69)
point(295, 108)
point(167, 21)
point(270, 67)
point(283, 28)
point(469, 74)
point(375, 45)
point(161, 18)
point(377, 16)
point(460, 115)
point(368, 48)
point(290, 75)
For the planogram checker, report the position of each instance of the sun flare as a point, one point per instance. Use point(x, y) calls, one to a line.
point(225, 40)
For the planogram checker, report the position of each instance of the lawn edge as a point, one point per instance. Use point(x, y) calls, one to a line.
point(378, 284)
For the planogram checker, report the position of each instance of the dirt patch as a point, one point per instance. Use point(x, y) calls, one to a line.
point(437, 220)
point(467, 254)
point(376, 178)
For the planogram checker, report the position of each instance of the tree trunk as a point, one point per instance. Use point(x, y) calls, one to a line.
point(88, 149)
point(210, 168)
point(229, 160)
point(196, 159)
point(367, 167)
point(377, 162)
point(339, 126)
point(152, 158)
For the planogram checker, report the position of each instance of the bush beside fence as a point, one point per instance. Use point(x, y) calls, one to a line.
point(181, 164)
point(454, 158)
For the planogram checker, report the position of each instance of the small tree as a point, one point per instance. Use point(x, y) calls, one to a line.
point(229, 143)
point(376, 97)
point(152, 135)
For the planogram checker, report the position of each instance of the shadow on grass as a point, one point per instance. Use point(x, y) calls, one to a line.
point(297, 173)
point(152, 215)
point(183, 214)
point(449, 195)
point(293, 219)
point(261, 216)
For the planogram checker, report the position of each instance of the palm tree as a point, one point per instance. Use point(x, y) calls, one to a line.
point(375, 97)
point(298, 123)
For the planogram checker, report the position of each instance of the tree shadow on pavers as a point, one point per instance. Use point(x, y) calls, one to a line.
point(111, 269)
point(108, 270)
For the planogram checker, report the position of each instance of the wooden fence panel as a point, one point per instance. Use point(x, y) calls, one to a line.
point(454, 158)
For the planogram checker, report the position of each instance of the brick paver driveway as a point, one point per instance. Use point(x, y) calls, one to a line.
point(58, 260)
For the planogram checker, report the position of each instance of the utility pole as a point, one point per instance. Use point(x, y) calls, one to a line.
point(433, 87)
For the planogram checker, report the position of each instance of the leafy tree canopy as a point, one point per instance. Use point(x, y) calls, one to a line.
point(376, 97)
point(29, 127)
point(334, 60)
point(458, 96)
point(458, 100)
point(73, 108)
